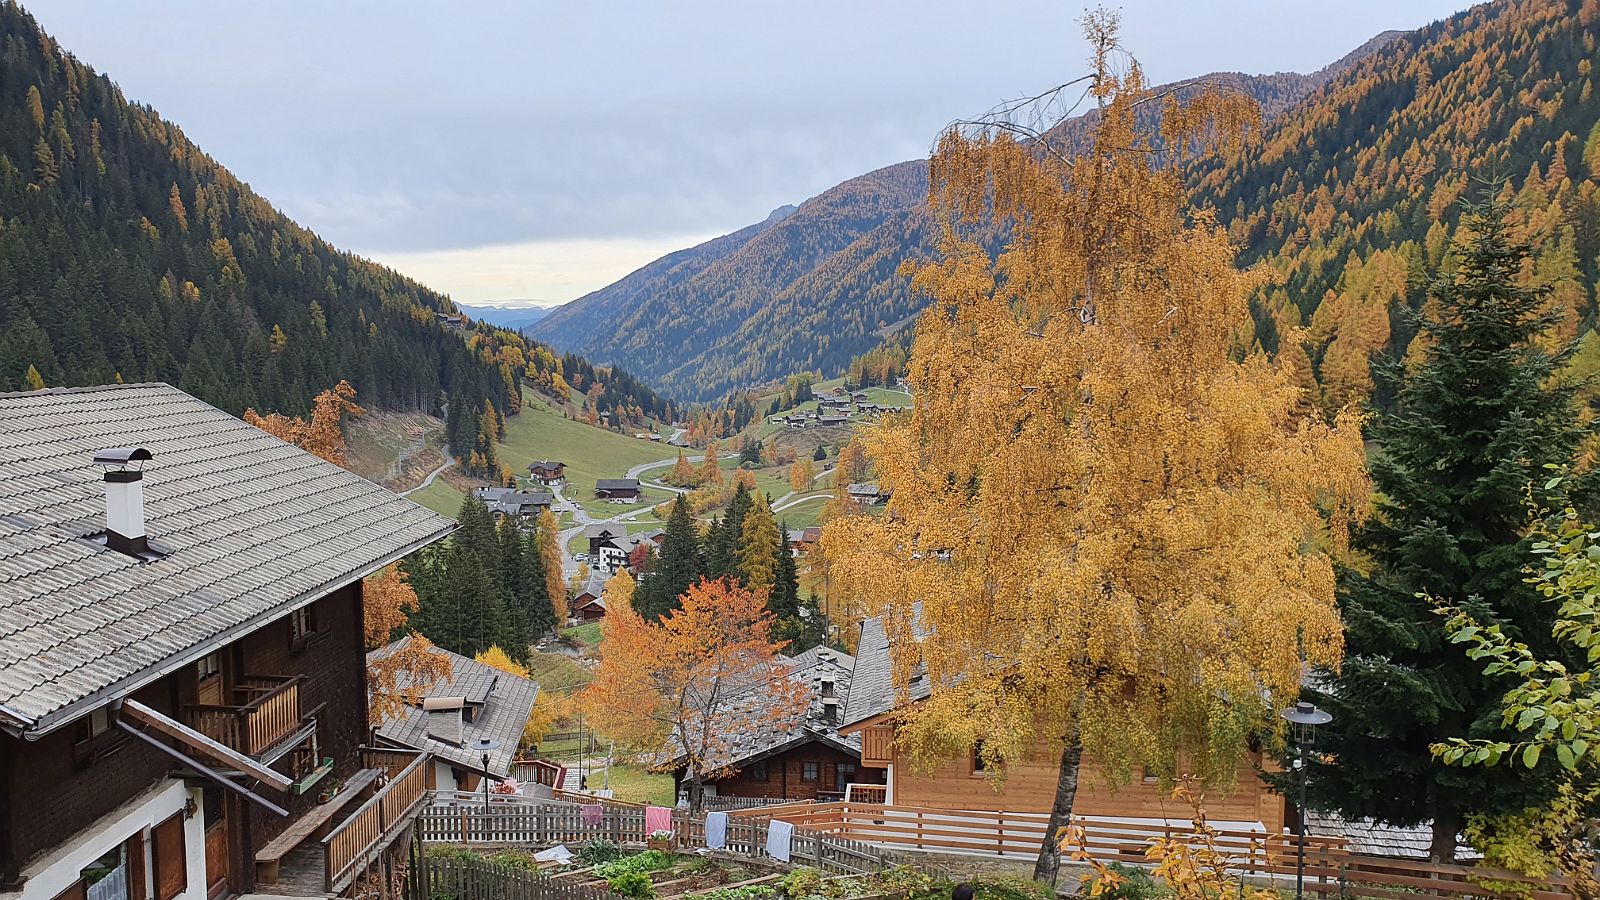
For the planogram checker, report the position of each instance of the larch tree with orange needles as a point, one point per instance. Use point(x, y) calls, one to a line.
point(401, 678)
point(1111, 527)
point(687, 684)
point(323, 433)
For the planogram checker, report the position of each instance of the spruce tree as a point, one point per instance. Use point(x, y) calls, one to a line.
point(1462, 453)
point(534, 585)
point(784, 601)
point(679, 564)
point(723, 541)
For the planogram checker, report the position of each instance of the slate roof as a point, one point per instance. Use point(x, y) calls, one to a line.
point(248, 528)
point(616, 484)
point(752, 744)
point(1378, 839)
point(546, 465)
point(505, 701)
point(511, 501)
point(872, 691)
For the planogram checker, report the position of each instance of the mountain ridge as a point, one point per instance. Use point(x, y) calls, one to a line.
point(743, 311)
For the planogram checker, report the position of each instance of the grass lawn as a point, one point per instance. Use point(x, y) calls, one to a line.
point(587, 635)
point(556, 673)
point(634, 784)
point(439, 497)
point(539, 432)
point(803, 514)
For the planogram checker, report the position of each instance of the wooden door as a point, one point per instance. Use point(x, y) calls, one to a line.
point(217, 855)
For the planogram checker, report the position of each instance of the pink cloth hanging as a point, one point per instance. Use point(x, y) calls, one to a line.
point(593, 814)
point(657, 818)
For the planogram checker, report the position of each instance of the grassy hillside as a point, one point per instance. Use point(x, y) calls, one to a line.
point(540, 432)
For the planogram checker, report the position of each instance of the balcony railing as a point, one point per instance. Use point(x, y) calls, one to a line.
point(877, 746)
point(267, 711)
point(350, 845)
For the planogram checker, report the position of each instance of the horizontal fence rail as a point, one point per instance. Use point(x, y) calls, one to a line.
point(558, 823)
point(1330, 869)
point(459, 879)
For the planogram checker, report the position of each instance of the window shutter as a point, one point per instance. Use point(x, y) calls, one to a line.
point(172, 869)
point(135, 845)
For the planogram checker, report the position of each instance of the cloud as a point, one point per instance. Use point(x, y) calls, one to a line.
point(546, 272)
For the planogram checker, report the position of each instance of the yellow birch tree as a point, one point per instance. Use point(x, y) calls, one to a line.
point(1110, 530)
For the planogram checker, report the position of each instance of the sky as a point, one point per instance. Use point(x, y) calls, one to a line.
point(504, 151)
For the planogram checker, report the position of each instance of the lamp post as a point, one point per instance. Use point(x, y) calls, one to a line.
point(483, 746)
point(1303, 719)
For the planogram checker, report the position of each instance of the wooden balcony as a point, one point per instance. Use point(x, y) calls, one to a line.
point(266, 710)
point(877, 746)
point(352, 845)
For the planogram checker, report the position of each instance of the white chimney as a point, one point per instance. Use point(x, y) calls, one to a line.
point(124, 499)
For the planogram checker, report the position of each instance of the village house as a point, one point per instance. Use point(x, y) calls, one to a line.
point(181, 664)
point(548, 472)
point(617, 490)
point(801, 540)
point(610, 545)
point(805, 758)
point(476, 702)
point(831, 420)
point(1029, 787)
point(865, 494)
point(510, 503)
point(452, 321)
point(590, 603)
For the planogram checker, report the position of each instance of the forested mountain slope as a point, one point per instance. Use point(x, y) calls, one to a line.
point(126, 252)
point(1353, 196)
point(809, 292)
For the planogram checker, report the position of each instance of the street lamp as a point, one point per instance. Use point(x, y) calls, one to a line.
point(484, 745)
point(1303, 719)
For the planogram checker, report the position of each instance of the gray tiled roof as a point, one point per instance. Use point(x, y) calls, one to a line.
point(616, 484)
point(507, 702)
point(1378, 839)
point(872, 691)
point(809, 669)
point(250, 528)
point(511, 501)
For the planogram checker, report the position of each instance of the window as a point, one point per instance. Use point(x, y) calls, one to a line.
point(1149, 775)
point(759, 771)
point(847, 773)
point(978, 764)
point(92, 735)
point(302, 627)
point(808, 771)
point(209, 666)
point(107, 877)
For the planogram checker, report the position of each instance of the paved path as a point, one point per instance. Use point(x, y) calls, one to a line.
point(448, 462)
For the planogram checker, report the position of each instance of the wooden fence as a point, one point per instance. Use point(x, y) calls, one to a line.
point(460, 879)
point(1330, 869)
point(553, 823)
point(350, 845)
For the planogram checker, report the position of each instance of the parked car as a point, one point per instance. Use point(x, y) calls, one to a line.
point(580, 557)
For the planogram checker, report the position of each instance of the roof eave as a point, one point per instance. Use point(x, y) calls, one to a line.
point(77, 709)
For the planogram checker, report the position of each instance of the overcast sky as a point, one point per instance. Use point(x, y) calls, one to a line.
point(500, 150)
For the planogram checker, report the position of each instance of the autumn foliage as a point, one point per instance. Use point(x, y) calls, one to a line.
point(323, 433)
point(399, 679)
point(1105, 518)
point(686, 684)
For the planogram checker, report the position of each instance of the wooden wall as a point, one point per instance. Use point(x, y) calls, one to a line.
point(785, 774)
point(1030, 787)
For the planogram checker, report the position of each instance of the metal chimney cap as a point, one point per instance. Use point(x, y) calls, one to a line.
point(121, 456)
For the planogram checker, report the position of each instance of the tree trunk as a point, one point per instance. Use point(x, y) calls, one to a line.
point(1443, 847)
point(1048, 867)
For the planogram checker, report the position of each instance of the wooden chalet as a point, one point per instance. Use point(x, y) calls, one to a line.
point(474, 702)
point(511, 503)
point(617, 490)
point(181, 659)
point(610, 545)
point(805, 759)
point(548, 472)
point(590, 603)
point(802, 540)
point(1029, 786)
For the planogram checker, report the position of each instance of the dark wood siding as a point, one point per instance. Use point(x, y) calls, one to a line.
point(784, 776)
point(52, 792)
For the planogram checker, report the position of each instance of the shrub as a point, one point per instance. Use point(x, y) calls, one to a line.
point(636, 885)
point(1135, 884)
point(642, 863)
point(748, 892)
point(597, 851)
